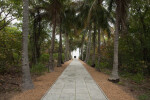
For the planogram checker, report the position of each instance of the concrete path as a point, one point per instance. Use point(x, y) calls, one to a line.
point(75, 83)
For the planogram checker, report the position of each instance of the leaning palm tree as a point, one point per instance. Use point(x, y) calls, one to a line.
point(27, 81)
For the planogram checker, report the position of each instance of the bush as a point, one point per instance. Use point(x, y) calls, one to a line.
point(38, 69)
point(63, 56)
point(144, 97)
point(44, 58)
point(55, 55)
point(138, 78)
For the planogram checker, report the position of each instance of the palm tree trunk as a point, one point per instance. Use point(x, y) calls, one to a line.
point(33, 42)
point(38, 37)
point(60, 49)
point(66, 48)
point(114, 76)
point(99, 45)
point(51, 60)
point(94, 38)
point(82, 47)
point(69, 52)
point(27, 81)
point(88, 46)
point(82, 52)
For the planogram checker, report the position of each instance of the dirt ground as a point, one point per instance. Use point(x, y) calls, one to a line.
point(41, 85)
point(112, 91)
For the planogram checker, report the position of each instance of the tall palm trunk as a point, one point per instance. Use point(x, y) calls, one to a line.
point(69, 52)
point(35, 41)
point(82, 46)
point(114, 76)
point(94, 38)
point(99, 45)
point(34, 58)
point(88, 46)
point(51, 60)
point(38, 47)
point(60, 48)
point(27, 81)
point(66, 48)
point(82, 52)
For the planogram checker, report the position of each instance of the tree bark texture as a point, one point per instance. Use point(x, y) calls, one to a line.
point(94, 46)
point(60, 48)
point(99, 46)
point(114, 76)
point(27, 81)
point(51, 60)
point(88, 46)
point(66, 48)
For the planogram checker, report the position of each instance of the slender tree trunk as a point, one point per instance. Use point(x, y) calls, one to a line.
point(33, 42)
point(66, 48)
point(51, 60)
point(104, 39)
point(82, 52)
point(114, 76)
point(27, 81)
point(60, 48)
point(99, 45)
point(88, 46)
point(69, 52)
point(94, 38)
point(82, 47)
point(38, 37)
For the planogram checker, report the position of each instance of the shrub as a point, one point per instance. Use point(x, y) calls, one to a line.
point(44, 58)
point(38, 69)
point(138, 78)
point(55, 55)
point(144, 97)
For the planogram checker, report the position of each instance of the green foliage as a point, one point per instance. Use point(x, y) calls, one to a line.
point(55, 55)
point(102, 65)
point(38, 69)
point(63, 56)
point(144, 97)
point(138, 78)
point(10, 47)
point(44, 58)
point(120, 83)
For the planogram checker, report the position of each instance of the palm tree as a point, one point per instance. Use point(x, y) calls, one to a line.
point(27, 81)
point(55, 9)
point(60, 45)
point(120, 25)
point(99, 16)
point(82, 45)
point(88, 49)
point(99, 45)
point(94, 46)
point(51, 11)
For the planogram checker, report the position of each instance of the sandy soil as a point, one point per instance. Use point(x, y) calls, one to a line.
point(112, 91)
point(41, 85)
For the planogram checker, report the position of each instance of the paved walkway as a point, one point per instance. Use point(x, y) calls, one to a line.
point(75, 83)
